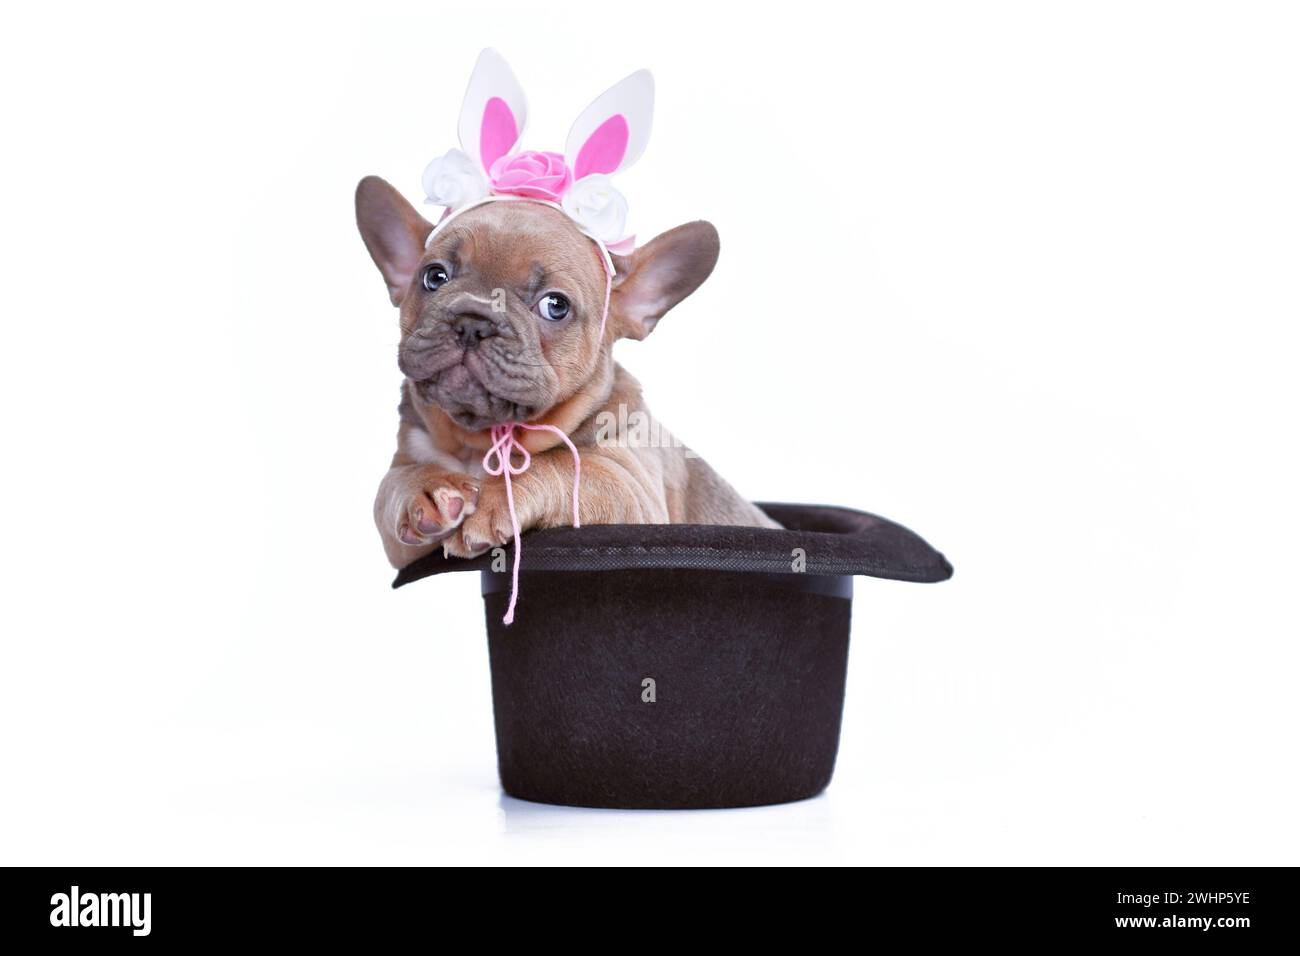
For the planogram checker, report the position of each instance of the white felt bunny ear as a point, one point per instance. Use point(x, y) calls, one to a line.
point(612, 132)
point(493, 115)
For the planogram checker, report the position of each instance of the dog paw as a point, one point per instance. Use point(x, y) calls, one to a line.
point(436, 504)
point(489, 526)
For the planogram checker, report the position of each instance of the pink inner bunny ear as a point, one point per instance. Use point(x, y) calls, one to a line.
point(611, 133)
point(494, 112)
point(498, 133)
point(604, 149)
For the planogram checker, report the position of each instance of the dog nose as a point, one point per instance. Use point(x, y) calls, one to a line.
point(472, 329)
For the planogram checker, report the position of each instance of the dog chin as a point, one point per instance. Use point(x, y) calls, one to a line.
point(469, 403)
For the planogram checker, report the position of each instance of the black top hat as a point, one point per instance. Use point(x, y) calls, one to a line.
point(680, 666)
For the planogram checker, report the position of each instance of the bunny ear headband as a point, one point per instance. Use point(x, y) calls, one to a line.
point(607, 138)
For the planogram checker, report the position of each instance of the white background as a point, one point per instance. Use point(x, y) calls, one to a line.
point(1021, 276)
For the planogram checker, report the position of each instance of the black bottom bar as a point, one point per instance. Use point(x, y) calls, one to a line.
point(1223, 907)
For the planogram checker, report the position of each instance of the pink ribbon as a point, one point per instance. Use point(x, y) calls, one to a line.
point(609, 287)
point(504, 445)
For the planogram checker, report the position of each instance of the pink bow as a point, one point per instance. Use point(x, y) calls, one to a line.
point(504, 444)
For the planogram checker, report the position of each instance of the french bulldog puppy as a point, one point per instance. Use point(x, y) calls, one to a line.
point(500, 322)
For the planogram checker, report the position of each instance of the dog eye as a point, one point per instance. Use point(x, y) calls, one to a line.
point(553, 307)
point(434, 276)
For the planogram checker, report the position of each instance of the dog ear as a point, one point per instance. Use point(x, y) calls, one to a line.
point(611, 133)
point(657, 276)
point(494, 111)
point(393, 231)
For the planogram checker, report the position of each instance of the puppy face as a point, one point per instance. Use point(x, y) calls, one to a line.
point(502, 320)
point(501, 315)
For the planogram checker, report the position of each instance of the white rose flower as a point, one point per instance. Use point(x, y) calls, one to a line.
point(454, 180)
point(595, 205)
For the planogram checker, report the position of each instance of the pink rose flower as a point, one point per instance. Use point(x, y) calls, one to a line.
point(533, 173)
